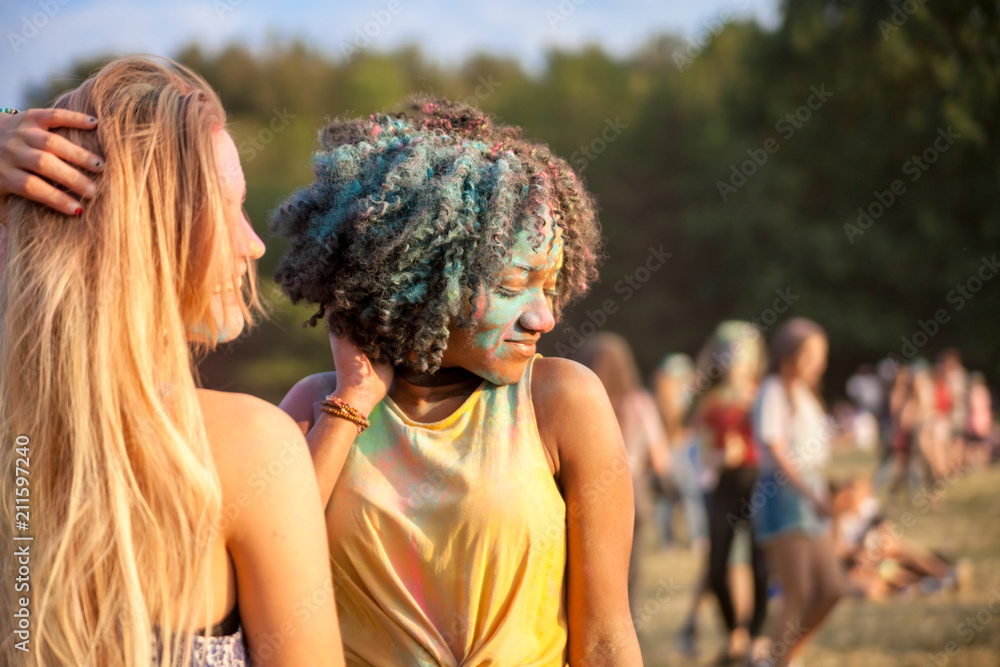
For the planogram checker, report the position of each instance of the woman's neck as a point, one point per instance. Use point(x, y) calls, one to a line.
point(430, 397)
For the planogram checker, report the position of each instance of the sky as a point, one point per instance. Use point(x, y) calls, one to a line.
point(42, 37)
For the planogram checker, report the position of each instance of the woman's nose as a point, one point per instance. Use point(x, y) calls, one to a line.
point(538, 316)
point(250, 245)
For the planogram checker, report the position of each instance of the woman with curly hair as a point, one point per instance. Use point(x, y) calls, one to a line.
point(485, 516)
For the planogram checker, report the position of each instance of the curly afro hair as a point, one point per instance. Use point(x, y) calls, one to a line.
point(412, 216)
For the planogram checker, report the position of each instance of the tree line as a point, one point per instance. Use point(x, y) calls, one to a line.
point(843, 166)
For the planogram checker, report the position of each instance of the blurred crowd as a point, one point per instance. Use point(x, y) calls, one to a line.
point(729, 454)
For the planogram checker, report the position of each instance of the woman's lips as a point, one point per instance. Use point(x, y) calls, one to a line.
point(525, 347)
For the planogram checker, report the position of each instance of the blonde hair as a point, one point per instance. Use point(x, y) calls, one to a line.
point(97, 375)
point(731, 340)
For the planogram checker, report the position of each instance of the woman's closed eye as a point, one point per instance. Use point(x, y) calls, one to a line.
point(509, 291)
point(514, 285)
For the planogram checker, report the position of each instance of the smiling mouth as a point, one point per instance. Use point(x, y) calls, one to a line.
point(220, 289)
point(525, 346)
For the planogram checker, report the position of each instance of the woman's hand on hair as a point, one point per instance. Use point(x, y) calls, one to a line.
point(360, 381)
point(32, 158)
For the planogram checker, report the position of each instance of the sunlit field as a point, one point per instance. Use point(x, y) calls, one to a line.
point(916, 631)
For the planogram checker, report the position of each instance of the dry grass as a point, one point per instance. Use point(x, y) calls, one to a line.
point(914, 632)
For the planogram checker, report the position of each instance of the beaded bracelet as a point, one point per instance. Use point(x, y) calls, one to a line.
point(332, 405)
point(361, 423)
point(9, 110)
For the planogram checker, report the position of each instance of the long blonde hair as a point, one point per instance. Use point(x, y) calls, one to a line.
point(97, 379)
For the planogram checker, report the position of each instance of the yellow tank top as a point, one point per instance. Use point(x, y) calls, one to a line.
point(448, 539)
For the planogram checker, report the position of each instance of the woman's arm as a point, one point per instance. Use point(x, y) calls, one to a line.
point(779, 451)
point(329, 438)
point(773, 428)
point(30, 156)
point(360, 383)
point(275, 533)
point(578, 424)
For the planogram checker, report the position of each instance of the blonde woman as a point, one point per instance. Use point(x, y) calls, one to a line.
point(153, 508)
point(733, 360)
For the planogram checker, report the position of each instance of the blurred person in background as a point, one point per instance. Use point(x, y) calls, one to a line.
point(610, 357)
point(887, 371)
point(904, 410)
point(793, 430)
point(952, 385)
point(979, 424)
point(932, 420)
point(733, 358)
point(667, 391)
point(867, 393)
point(878, 559)
point(675, 390)
point(865, 389)
point(671, 387)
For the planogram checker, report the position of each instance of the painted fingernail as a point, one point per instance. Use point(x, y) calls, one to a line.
point(75, 209)
point(92, 119)
point(98, 164)
point(90, 191)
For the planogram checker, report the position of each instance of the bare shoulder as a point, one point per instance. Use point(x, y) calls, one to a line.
point(245, 433)
point(571, 408)
point(560, 385)
point(240, 414)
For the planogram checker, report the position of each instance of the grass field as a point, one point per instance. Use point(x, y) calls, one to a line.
point(913, 632)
